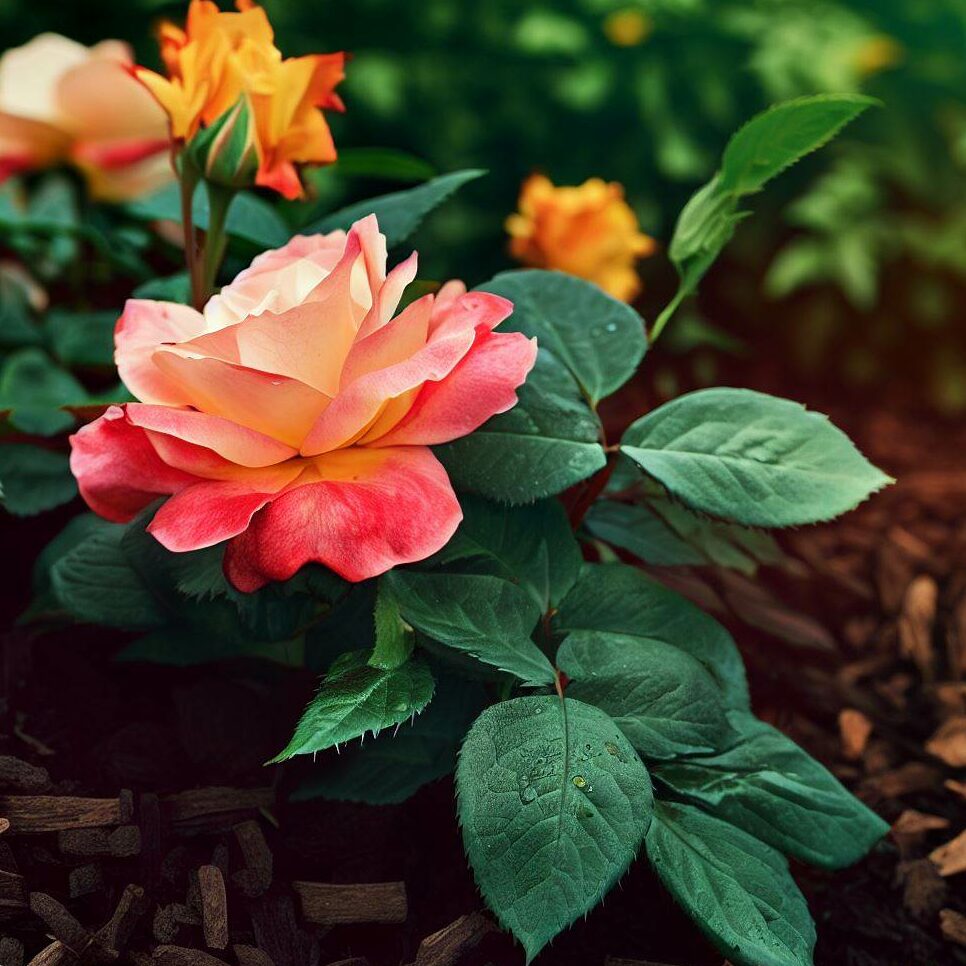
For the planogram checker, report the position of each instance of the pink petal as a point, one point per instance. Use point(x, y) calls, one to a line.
point(359, 404)
point(235, 443)
point(371, 511)
point(482, 385)
point(308, 342)
point(389, 295)
point(118, 471)
point(215, 510)
point(273, 405)
point(140, 330)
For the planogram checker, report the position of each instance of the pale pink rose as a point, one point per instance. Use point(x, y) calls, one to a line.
point(61, 101)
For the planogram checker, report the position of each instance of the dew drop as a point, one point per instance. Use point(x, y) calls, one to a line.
point(528, 794)
point(579, 781)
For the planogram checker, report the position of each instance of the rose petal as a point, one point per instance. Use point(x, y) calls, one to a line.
point(235, 443)
point(212, 511)
point(144, 326)
point(118, 471)
point(274, 405)
point(371, 511)
point(483, 384)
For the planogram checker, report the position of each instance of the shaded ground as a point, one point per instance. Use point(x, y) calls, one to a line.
point(857, 649)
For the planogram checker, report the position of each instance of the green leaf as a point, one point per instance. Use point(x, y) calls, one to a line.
point(35, 389)
point(250, 218)
point(659, 696)
point(763, 148)
point(737, 890)
point(96, 584)
point(546, 443)
point(531, 545)
point(484, 616)
point(394, 637)
point(619, 599)
point(82, 338)
point(355, 698)
point(34, 479)
point(665, 534)
point(768, 786)
point(553, 802)
point(751, 458)
point(775, 139)
point(401, 212)
point(599, 339)
point(398, 763)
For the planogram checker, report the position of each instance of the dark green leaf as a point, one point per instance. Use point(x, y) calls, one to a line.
point(355, 698)
point(96, 583)
point(34, 479)
point(386, 163)
point(598, 338)
point(173, 288)
point(396, 764)
point(737, 890)
point(751, 458)
point(180, 645)
point(621, 600)
point(82, 338)
point(546, 443)
point(766, 785)
point(35, 389)
point(660, 697)
point(401, 212)
point(485, 616)
point(531, 545)
point(554, 803)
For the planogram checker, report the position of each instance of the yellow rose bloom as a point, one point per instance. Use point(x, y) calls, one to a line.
point(219, 58)
point(589, 231)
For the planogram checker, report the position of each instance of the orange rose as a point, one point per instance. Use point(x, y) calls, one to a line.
point(589, 231)
point(61, 101)
point(220, 58)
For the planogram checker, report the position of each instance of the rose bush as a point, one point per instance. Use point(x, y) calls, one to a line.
point(62, 101)
point(294, 415)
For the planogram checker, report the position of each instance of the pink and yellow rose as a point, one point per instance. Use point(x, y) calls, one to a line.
point(293, 416)
point(63, 102)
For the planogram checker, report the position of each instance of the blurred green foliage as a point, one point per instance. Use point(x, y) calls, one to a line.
point(646, 92)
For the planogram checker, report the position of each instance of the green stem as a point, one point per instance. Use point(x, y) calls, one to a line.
point(219, 201)
point(662, 320)
point(188, 178)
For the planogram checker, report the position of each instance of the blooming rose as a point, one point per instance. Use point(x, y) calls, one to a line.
point(589, 231)
point(220, 58)
point(294, 416)
point(61, 101)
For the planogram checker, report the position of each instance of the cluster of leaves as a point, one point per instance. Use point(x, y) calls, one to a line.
point(595, 712)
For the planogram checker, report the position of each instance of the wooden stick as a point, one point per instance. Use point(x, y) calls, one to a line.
point(52, 813)
point(448, 946)
point(327, 905)
point(214, 906)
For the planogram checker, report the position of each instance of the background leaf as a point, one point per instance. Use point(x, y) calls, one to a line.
point(34, 479)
